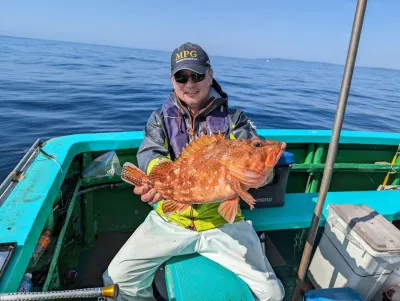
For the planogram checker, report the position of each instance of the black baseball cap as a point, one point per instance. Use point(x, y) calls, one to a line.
point(189, 56)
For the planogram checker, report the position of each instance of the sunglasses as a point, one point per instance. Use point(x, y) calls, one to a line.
point(182, 78)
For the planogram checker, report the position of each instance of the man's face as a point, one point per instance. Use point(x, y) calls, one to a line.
point(193, 92)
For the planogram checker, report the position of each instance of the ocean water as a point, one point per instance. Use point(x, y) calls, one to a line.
point(51, 88)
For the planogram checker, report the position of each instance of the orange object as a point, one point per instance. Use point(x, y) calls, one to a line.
point(41, 246)
point(45, 239)
point(211, 169)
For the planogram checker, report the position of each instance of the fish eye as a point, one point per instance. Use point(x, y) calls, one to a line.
point(256, 144)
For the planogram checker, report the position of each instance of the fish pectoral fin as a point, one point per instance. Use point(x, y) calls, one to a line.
point(247, 197)
point(228, 209)
point(170, 206)
point(245, 176)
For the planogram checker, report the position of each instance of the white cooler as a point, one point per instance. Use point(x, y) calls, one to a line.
point(392, 281)
point(359, 249)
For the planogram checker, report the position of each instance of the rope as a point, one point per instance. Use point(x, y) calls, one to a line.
point(51, 157)
point(390, 291)
point(391, 171)
point(13, 150)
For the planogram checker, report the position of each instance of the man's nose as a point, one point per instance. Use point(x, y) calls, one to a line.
point(190, 82)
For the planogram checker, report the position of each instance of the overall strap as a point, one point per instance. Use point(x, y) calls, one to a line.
point(176, 128)
point(216, 121)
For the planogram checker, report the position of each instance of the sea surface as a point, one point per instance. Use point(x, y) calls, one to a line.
point(52, 88)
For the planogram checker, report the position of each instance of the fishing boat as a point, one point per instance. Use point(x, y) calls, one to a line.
point(90, 218)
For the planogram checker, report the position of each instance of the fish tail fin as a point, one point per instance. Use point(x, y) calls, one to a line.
point(133, 175)
point(229, 209)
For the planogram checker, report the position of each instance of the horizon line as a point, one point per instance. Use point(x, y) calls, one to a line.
point(226, 56)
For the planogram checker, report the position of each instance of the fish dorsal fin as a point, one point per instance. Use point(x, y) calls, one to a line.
point(160, 170)
point(198, 144)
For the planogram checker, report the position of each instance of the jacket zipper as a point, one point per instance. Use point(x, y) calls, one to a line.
point(192, 120)
point(192, 226)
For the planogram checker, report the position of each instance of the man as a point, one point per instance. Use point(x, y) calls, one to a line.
point(197, 104)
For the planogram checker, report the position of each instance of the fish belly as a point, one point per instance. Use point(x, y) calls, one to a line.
point(202, 187)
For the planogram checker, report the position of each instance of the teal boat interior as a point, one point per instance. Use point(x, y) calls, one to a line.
point(91, 218)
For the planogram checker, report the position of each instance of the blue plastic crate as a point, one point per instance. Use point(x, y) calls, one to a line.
point(286, 159)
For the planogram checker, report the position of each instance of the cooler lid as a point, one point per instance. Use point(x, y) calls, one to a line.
point(286, 159)
point(380, 234)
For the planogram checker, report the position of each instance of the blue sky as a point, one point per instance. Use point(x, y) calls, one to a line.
point(293, 29)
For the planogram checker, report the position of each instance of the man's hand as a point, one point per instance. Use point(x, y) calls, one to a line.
point(149, 196)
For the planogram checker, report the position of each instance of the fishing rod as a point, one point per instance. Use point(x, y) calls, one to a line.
point(333, 145)
point(110, 291)
point(14, 176)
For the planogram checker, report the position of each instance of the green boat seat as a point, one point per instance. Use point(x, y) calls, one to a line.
point(195, 277)
point(298, 209)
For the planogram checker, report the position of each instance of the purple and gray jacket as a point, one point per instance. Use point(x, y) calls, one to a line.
point(170, 128)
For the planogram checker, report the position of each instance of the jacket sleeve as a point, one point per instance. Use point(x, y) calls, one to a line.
point(154, 146)
point(241, 126)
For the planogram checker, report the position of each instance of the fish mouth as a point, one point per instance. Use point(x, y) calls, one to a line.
point(273, 159)
point(281, 151)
